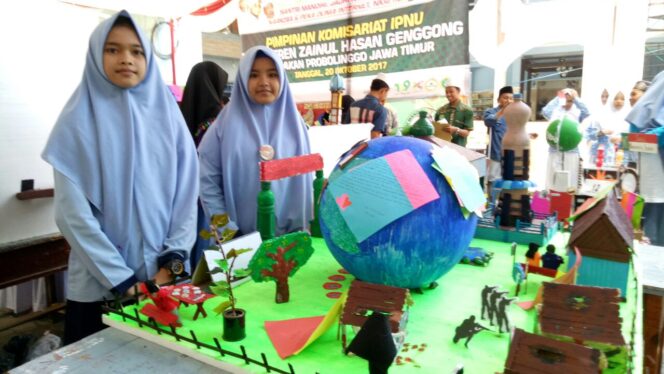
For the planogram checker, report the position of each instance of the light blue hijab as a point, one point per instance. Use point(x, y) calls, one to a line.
point(235, 138)
point(649, 110)
point(128, 150)
point(648, 113)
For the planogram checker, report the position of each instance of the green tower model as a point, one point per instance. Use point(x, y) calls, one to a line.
point(266, 219)
point(318, 188)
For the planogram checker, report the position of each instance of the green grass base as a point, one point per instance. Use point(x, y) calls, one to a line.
point(432, 322)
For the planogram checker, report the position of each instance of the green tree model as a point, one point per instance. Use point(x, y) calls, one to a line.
point(279, 258)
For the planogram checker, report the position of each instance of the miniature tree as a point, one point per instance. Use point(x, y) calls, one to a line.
point(226, 264)
point(279, 258)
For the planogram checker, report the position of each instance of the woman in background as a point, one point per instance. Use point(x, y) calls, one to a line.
point(346, 100)
point(202, 99)
point(605, 128)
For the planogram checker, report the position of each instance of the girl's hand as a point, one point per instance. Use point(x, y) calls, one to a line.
point(163, 276)
point(134, 290)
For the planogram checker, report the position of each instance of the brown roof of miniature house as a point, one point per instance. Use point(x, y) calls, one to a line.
point(366, 297)
point(582, 313)
point(604, 231)
point(530, 353)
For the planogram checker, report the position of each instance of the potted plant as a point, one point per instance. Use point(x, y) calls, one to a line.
point(234, 318)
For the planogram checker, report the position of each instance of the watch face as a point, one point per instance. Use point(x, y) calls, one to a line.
point(177, 267)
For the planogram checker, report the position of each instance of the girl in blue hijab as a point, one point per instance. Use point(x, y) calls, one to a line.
point(260, 115)
point(647, 116)
point(125, 174)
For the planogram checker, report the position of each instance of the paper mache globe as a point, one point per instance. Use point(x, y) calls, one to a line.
point(564, 134)
point(411, 251)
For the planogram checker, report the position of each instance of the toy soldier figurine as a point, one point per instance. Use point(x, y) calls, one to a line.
point(467, 329)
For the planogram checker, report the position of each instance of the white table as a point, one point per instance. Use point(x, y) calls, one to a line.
point(115, 351)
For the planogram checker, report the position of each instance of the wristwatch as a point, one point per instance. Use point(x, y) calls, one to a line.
point(175, 267)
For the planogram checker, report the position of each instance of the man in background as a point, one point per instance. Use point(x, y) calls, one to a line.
point(370, 110)
point(457, 114)
point(495, 122)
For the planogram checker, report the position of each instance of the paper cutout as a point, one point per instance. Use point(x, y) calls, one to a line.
point(382, 190)
point(292, 336)
point(464, 211)
point(207, 262)
point(331, 317)
point(462, 177)
point(540, 204)
point(633, 206)
point(409, 173)
point(343, 201)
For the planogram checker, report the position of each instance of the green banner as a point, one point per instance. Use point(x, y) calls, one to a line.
point(415, 37)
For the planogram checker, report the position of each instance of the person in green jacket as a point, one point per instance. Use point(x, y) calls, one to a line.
point(457, 114)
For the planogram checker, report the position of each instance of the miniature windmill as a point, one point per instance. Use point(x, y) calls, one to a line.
point(337, 90)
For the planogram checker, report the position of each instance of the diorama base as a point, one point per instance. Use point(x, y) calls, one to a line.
point(428, 346)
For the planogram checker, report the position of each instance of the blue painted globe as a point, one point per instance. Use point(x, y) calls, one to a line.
point(415, 249)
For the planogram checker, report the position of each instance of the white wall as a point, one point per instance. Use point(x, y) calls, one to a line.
point(612, 33)
point(42, 61)
point(43, 53)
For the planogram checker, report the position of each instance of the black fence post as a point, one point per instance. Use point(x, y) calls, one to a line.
point(193, 335)
point(216, 342)
point(138, 319)
point(267, 366)
point(175, 334)
point(244, 354)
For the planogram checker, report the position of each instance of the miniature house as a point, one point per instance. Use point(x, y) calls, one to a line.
point(585, 315)
point(604, 236)
point(530, 353)
point(365, 298)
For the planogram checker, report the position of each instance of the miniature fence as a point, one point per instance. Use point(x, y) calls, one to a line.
point(547, 222)
point(107, 308)
point(540, 231)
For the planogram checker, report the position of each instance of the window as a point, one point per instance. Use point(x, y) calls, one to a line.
point(654, 60)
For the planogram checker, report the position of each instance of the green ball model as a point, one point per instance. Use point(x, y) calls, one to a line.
point(564, 134)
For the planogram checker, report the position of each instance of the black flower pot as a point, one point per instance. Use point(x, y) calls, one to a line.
point(234, 325)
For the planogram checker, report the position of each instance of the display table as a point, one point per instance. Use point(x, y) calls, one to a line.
point(430, 329)
point(651, 259)
point(112, 350)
